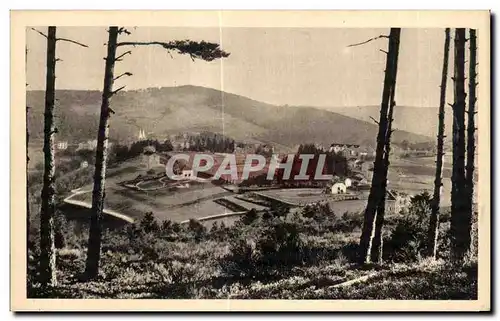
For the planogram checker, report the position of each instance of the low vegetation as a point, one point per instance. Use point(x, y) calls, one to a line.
point(277, 253)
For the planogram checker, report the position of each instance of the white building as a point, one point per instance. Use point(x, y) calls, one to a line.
point(187, 173)
point(346, 149)
point(150, 158)
point(141, 135)
point(396, 201)
point(92, 144)
point(62, 145)
point(84, 164)
point(339, 188)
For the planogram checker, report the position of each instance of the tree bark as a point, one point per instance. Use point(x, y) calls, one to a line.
point(460, 216)
point(28, 216)
point(47, 248)
point(377, 190)
point(432, 233)
point(378, 242)
point(471, 126)
point(98, 193)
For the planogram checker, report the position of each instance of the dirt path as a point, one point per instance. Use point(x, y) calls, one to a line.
point(69, 200)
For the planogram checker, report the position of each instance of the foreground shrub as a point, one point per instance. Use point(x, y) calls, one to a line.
point(250, 217)
point(274, 245)
point(149, 223)
point(196, 230)
point(407, 240)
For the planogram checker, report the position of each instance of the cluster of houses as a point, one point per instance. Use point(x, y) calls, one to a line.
point(62, 145)
point(351, 151)
point(358, 181)
point(89, 145)
point(253, 148)
point(150, 158)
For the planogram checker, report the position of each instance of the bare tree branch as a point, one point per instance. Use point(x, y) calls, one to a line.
point(122, 55)
point(384, 51)
point(369, 40)
point(374, 119)
point(124, 74)
point(116, 91)
point(207, 51)
point(123, 30)
point(39, 32)
point(72, 41)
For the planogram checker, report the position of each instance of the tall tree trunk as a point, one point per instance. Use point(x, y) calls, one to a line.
point(377, 190)
point(98, 193)
point(28, 216)
point(432, 233)
point(47, 248)
point(378, 242)
point(471, 148)
point(377, 248)
point(27, 162)
point(460, 216)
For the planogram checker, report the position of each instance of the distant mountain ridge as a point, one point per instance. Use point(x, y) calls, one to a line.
point(418, 120)
point(167, 110)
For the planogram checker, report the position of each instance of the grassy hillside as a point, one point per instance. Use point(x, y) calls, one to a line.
point(273, 254)
point(161, 111)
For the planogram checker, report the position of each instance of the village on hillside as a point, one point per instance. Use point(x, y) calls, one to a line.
point(180, 187)
point(350, 164)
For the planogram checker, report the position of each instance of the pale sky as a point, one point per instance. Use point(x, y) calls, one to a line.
point(294, 66)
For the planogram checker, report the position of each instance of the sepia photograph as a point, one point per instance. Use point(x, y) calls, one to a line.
point(316, 157)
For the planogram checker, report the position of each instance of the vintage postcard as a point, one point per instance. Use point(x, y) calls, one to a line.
point(250, 161)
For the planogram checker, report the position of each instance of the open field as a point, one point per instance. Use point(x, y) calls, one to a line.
point(300, 196)
point(351, 206)
point(197, 200)
point(247, 205)
point(176, 205)
point(415, 175)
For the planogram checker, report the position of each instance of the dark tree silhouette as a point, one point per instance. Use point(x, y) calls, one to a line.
point(200, 50)
point(378, 190)
point(47, 247)
point(376, 252)
point(432, 234)
point(94, 244)
point(460, 214)
point(28, 214)
point(471, 126)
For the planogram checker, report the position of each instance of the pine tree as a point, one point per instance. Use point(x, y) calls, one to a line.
point(471, 126)
point(377, 190)
point(377, 247)
point(460, 215)
point(47, 247)
point(94, 244)
point(28, 214)
point(200, 50)
point(432, 234)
